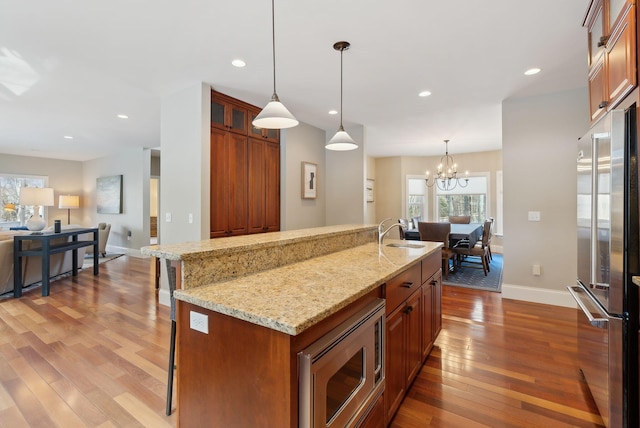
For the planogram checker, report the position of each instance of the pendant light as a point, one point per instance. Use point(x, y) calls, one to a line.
point(341, 141)
point(275, 115)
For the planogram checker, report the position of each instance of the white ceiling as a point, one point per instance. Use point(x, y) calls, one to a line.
point(69, 67)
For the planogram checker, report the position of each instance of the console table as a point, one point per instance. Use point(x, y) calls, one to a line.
point(46, 249)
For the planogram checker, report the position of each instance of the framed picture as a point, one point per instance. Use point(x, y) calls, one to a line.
point(109, 194)
point(309, 180)
point(369, 188)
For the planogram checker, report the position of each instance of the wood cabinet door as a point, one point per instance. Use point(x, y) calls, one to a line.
point(413, 325)
point(427, 318)
point(228, 181)
point(219, 183)
point(395, 362)
point(272, 187)
point(597, 91)
point(257, 195)
point(437, 304)
point(238, 184)
point(620, 59)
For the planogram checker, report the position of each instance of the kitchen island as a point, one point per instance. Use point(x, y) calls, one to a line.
point(288, 290)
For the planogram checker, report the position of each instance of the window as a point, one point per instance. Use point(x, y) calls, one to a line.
point(13, 214)
point(470, 200)
point(416, 197)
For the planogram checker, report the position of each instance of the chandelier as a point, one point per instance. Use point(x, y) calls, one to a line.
point(447, 175)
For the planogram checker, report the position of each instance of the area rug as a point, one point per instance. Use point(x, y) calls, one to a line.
point(470, 277)
point(88, 259)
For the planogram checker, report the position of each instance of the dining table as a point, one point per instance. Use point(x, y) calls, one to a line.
point(470, 231)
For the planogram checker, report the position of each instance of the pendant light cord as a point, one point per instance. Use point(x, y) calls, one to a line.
point(273, 43)
point(341, 51)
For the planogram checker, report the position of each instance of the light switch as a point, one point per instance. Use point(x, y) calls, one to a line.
point(534, 216)
point(190, 218)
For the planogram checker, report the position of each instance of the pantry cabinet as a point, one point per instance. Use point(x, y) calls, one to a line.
point(245, 171)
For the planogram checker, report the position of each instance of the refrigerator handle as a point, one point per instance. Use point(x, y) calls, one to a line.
point(596, 322)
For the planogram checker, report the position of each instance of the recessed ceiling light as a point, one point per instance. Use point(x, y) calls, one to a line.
point(424, 94)
point(238, 63)
point(333, 111)
point(532, 71)
point(68, 137)
point(123, 116)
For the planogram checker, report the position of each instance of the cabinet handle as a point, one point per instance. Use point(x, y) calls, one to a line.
point(407, 284)
point(603, 41)
point(434, 282)
point(408, 310)
point(603, 104)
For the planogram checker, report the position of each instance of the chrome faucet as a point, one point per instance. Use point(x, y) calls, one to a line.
point(381, 233)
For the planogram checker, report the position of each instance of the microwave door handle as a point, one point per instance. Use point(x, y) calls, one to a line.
point(596, 322)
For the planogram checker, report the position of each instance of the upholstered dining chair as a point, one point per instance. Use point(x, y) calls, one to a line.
point(460, 219)
point(466, 249)
point(439, 232)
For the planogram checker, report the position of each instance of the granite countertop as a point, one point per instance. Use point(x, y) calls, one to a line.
point(202, 249)
point(294, 297)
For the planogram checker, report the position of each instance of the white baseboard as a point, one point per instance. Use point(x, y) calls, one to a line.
point(123, 250)
point(538, 295)
point(163, 297)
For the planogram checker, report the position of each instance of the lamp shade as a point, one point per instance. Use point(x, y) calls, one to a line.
point(275, 116)
point(68, 202)
point(42, 196)
point(341, 141)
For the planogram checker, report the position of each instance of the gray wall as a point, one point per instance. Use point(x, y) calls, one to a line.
point(539, 148)
point(134, 166)
point(301, 143)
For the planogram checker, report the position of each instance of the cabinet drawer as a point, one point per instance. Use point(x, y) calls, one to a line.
point(400, 288)
point(430, 265)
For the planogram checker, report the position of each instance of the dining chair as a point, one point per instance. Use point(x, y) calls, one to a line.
point(465, 249)
point(492, 220)
point(460, 219)
point(439, 232)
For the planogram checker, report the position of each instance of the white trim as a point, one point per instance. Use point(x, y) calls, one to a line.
point(124, 250)
point(538, 295)
point(163, 297)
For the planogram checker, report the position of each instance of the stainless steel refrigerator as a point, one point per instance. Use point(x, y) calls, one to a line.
point(608, 257)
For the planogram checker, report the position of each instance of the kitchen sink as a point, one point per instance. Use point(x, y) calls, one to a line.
point(393, 244)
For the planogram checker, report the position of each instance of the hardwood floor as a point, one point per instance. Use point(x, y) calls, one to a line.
point(95, 352)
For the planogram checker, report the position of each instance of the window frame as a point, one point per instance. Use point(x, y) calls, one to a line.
point(425, 204)
point(23, 213)
point(488, 194)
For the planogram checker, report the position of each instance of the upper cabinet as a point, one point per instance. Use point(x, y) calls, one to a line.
point(611, 26)
point(227, 114)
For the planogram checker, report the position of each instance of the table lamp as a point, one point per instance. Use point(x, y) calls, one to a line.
point(36, 196)
point(68, 202)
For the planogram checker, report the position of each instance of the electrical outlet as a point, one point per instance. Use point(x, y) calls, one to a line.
point(167, 217)
point(199, 322)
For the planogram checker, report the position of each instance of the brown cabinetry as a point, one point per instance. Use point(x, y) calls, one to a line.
point(229, 177)
point(245, 171)
point(612, 41)
point(411, 326)
point(264, 187)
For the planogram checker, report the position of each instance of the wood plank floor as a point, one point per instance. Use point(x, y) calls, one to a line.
point(95, 352)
